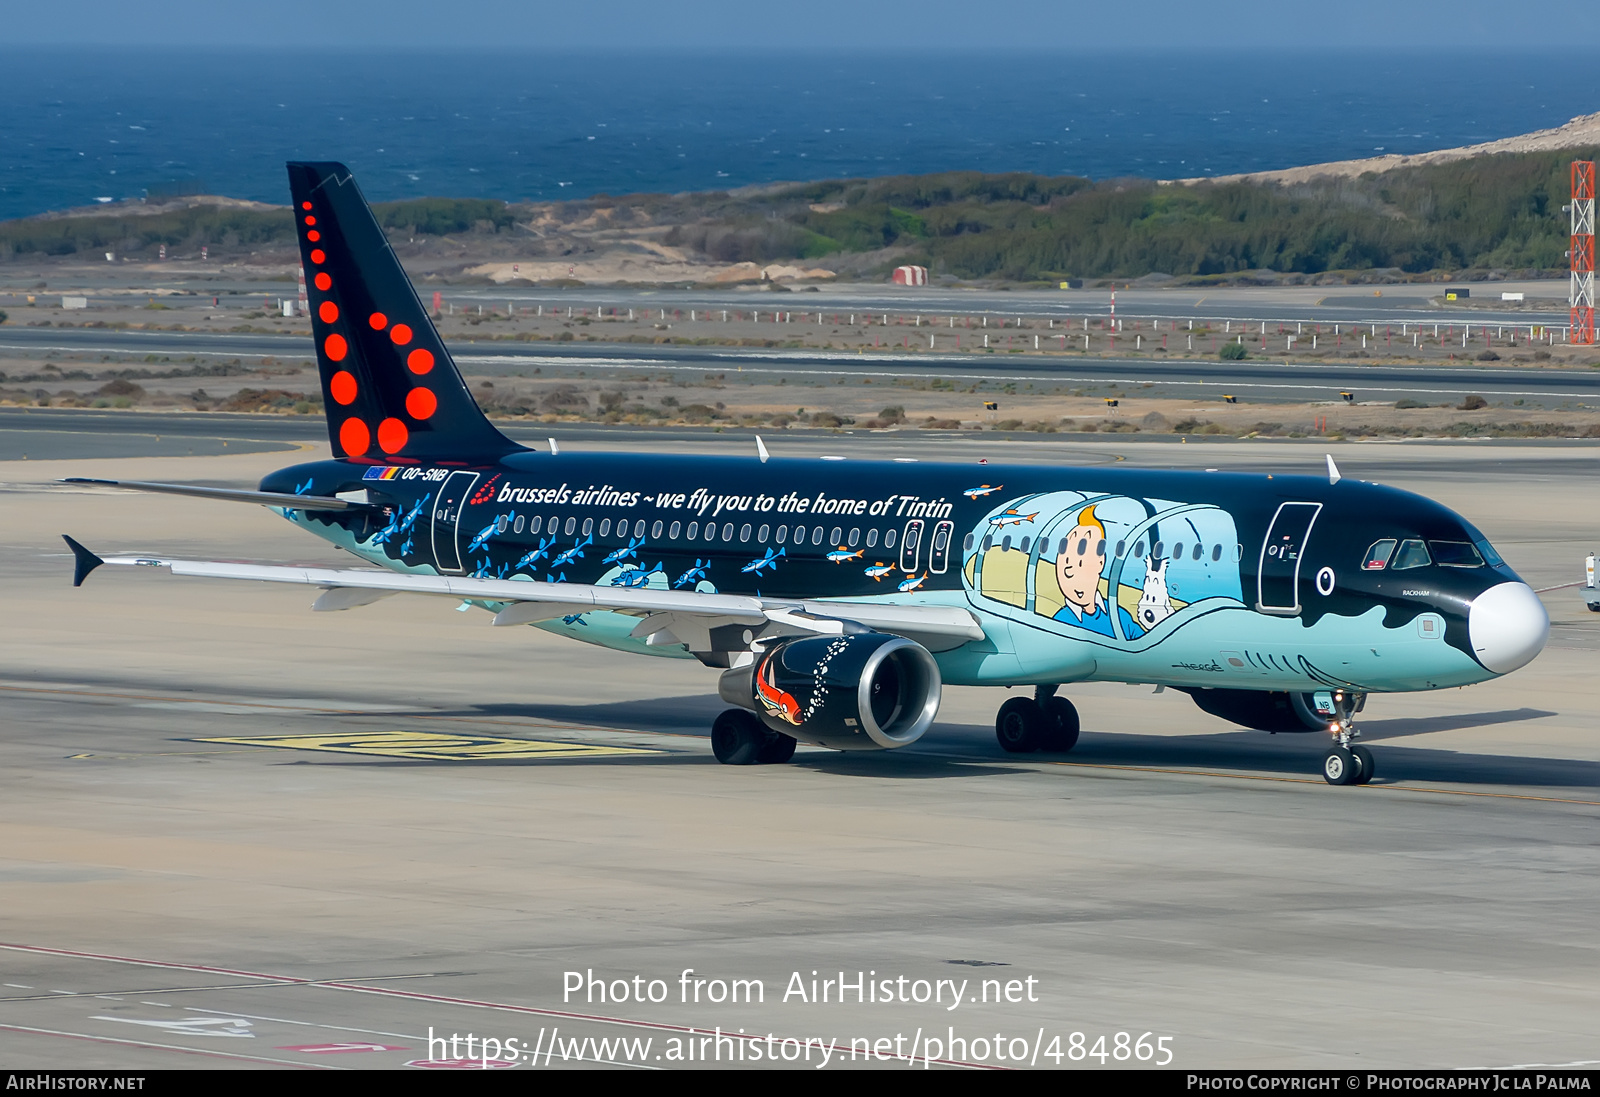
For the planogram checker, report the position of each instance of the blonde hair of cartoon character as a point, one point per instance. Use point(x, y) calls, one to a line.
point(1081, 561)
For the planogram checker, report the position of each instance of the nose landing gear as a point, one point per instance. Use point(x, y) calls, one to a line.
point(1041, 722)
point(1344, 764)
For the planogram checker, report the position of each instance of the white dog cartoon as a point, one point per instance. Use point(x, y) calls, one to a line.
point(1155, 604)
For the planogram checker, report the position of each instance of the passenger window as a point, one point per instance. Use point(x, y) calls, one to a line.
point(836, 537)
point(1177, 551)
point(888, 539)
point(1155, 550)
point(855, 535)
point(816, 536)
point(655, 530)
point(693, 531)
point(711, 531)
point(727, 531)
point(939, 555)
point(517, 526)
point(1122, 546)
point(1138, 550)
point(1378, 556)
point(761, 534)
point(502, 523)
point(1412, 554)
point(872, 537)
point(1455, 554)
point(1005, 543)
point(966, 546)
point(638, 528)
point(588, 526)
point(1199, 550)
point(534, 523)
point(1024, 545)
point(744, 533)
point(781, 535)
point(605, 527)
point(677, 527)
point(911, 545)
point(572, 524)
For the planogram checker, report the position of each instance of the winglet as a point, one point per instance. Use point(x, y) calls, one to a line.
point(84, 561)
point(1333, 471)
point(761, 448)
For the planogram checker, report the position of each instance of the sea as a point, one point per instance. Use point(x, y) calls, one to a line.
point(90, 125)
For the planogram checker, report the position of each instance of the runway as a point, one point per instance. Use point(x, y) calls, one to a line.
point(1264, 380)
point(240, 834)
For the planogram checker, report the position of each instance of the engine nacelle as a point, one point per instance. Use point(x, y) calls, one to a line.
point(1263, 710)
point(864, 691)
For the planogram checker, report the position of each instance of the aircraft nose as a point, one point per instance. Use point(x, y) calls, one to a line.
point(1508, 626)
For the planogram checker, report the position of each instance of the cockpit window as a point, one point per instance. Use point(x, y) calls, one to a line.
point(1489, 554)
point(1378, 555)
point(1412, 554)
point(1456, 554)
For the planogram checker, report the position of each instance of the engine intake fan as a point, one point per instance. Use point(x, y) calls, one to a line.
point(866, 691)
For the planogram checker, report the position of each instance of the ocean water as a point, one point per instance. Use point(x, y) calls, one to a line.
point(81, 125)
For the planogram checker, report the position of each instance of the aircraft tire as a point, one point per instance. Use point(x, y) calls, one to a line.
point(1368, 767)
point(1020, 725)
point(737, 737)
point(1339, 767)
point(778, 749)
point(1060, 725)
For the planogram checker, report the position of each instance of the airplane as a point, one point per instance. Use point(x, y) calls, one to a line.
point(1278, 602)
point(770, 560)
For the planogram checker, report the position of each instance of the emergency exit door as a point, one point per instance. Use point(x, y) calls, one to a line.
point(1278, 576)
point(447, 510)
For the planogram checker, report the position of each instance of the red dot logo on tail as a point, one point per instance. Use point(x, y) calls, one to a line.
point(419, 361)
point(336, 347)
point(378, 321)
point(342, 386)
point(354, 437)
point(392, 436)
point(328, 311)
point(400, 334)
point(323, 282)
point(421, 403)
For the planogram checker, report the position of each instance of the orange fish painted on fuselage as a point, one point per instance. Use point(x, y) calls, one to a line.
point(774, 700)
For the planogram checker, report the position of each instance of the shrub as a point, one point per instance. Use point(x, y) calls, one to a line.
point(1233, 352)
point(1488, 356)
point(1473, 403)
point(1407, 402)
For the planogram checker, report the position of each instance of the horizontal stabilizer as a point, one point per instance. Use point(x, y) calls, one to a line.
point(83, 561)
point(232, 495)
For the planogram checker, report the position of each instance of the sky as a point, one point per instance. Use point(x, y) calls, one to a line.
point(1237, 26)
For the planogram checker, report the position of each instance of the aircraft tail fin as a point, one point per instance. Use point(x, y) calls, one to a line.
point(391, 390)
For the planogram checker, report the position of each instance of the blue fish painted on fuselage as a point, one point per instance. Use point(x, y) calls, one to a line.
point(500, 523)
point(537, 554)
point(625, 552)
point(770, 560)
point(694, 574)
point(573, 553)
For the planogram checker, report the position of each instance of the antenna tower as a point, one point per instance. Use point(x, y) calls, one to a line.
point(1581, 295)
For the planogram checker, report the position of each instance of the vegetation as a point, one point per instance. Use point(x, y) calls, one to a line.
point(1233, 352)
point(1476, 215)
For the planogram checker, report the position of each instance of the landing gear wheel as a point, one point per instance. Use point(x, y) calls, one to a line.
point(1340, 767)
point(779, 748)
point(1364, 756)
point(1060, 726)
point(737, 737)
point(1020, 725)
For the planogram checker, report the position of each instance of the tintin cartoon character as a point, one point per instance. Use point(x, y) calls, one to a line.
point(1080, 563)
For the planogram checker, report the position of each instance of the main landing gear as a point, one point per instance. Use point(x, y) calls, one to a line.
point(1041, 722)
point(739, 738)
point(1345, 764)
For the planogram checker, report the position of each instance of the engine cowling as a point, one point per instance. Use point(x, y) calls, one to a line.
point(863, 691)
point(1264, 710)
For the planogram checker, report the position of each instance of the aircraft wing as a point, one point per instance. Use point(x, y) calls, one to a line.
point(234, 495)
point(669, 616)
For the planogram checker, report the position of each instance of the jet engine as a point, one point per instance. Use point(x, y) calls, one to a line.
point(861, 691)
point(1263, 710)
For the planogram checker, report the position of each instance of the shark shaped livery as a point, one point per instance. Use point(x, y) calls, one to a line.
point(1280, 603)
